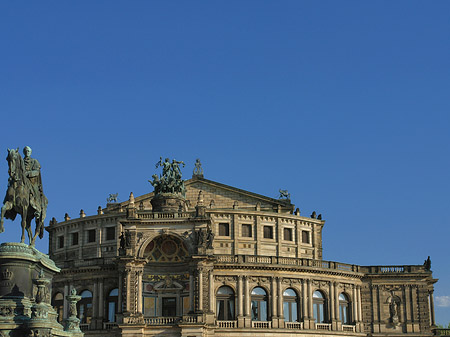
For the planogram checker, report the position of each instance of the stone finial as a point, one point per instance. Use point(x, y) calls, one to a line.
point(297, 211)
point(66, 217)
point(319, 217)
point(141, 206)
point(82, 214)
point(99, 210)
point(131, 199)
point(53, 221)
point(313, 215)
point(200, 199)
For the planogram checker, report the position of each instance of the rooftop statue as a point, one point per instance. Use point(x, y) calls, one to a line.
point(284, 194)
point(113, 197)
point(170, 181)
point(24, 195)
point(198, 170)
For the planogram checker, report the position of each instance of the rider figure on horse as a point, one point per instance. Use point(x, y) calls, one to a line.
point(33, 173)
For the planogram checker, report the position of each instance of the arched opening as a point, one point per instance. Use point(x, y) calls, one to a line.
point(166, 248)
point(225, 304)
point(58, 304)
point(259, 304)
point(344, 308)
point(290, 305)
point(85, 307)
point(319, 307)
point(111, 301)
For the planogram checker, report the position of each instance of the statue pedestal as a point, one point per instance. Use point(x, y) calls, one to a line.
point(168, 203)
point(25, 291)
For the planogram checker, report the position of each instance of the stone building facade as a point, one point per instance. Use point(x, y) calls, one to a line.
point(225, 262)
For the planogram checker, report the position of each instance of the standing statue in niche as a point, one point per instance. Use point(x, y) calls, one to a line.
point(394, 304)
point(25, 194)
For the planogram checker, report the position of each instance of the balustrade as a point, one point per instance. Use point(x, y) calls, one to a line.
point(293, 325)
point(161, 320)
point(226, 324)
point(261, 325)
point(323, 326)
point(348, 328)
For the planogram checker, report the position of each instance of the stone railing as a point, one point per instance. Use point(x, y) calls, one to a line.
point(226, 324)
point(348, 328)
point(286, 261)
point(303, 262)
point(323, 326)
point(393, 269)
point(157, 215)
point(109, 325)
point(441, 332)
point(162, 320)
point(261, 325)
point(84, 327)
point(90, 262)
point(293, 325)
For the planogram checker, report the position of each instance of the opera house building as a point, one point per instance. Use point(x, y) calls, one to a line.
point(198, 258)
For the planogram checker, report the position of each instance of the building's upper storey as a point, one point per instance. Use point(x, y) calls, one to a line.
point(242, 223)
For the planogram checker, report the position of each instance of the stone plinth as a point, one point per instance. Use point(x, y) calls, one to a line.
point(168, 202)
point(25, 290)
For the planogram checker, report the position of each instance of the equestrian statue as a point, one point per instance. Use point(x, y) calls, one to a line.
point(25, 195)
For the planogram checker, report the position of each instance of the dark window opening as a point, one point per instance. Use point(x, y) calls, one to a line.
point(60, 241)
point(305, 237)
point(247, 230)
point(287, 234)
point(74, 238)
point(268, 232)
point(110, 233)
point(91, 236)
point(224, 229)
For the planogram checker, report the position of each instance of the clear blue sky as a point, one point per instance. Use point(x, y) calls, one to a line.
point(343, 103)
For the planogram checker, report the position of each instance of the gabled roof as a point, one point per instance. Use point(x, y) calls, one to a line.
point(217, 195)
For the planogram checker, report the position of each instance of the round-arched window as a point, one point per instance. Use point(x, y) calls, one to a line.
point(259, 304)
point(85, 307)
point(290, 305)
point(319, 307)
point(111, 301)
point(344, 308)
point(58, 304)
point(225, 304)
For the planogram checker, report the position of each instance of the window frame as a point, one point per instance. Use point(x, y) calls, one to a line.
point(291, 234)
point(290, 301)
point(268, 227)
point(228, 301)
point(256, 301)
point(88, 236)
point(226, 227)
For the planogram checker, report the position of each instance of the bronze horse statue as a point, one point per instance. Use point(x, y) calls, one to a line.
point(18, 199)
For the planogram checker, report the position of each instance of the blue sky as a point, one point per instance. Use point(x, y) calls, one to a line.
point(343, 103)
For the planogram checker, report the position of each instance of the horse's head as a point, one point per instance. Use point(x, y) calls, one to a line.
point(13, 159)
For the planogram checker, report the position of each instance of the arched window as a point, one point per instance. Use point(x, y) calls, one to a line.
point(259, 304)
point(225, 304)
point(58, 304)
point(319, 307)
point(111, 300)
point(85, 307)
point(344, 311)
point(290, 305)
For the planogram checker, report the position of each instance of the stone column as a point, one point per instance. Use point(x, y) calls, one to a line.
point(280, 302)
point(95, 305)
point(101, 302)
point(273, 297)
point(200, 289)
point(191, 292)
point(358, 292)
point(305, 304)
point(65, 303)
point(407, 304)
point(332, 306)
point(311, 322)
point(211, 292)
point(355, 305)
point(432, 320)
point(120, 297)
point(128, 290)
point(247, 316)
point(139, 291)
point(336, 307)
point(240, 303)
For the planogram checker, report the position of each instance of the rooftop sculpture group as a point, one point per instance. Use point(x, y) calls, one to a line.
point(24, 195)
point(170, 180)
